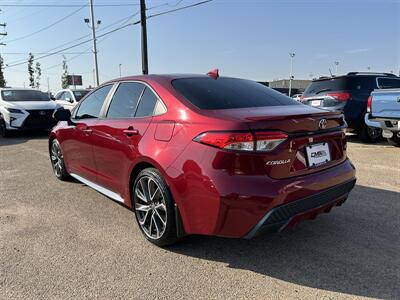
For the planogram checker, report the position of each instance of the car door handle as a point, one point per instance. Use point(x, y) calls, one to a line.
point(130, 131)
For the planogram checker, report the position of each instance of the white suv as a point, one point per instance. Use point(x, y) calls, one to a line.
point(25, 109)
point(69, 98)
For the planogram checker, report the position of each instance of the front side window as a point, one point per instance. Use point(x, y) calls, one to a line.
point(125, 99)
point(91, 106)
point(146, 104)
point(226, 93)
point(23, 95)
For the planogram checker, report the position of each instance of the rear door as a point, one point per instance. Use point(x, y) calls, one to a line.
point(117, 136)
point(77, 142)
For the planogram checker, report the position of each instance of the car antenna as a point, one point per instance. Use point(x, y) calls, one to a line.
point(213, 73)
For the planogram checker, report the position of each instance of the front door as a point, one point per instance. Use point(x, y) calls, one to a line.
point(117, 136)
point(78, 147)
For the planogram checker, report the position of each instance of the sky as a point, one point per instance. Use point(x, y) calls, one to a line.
point(248, 39)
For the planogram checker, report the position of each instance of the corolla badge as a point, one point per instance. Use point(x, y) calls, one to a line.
point(323, 123)
point(277, 162)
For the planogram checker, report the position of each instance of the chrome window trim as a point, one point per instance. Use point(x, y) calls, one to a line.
point(104, 116)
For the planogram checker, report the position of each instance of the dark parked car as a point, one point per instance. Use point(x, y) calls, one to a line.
point(349, 94)
point(193, 154)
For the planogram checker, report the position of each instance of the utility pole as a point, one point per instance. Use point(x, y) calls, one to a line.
point(291, 72)
point(145, 64)
point(120, 73)
point(92, 26)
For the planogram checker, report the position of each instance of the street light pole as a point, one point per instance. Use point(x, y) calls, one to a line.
point(93, 27)
point(336, 67)
point(120, 73)
point(291, 72)
point(145, 64)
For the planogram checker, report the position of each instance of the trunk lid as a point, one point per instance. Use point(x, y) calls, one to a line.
point(303, 125)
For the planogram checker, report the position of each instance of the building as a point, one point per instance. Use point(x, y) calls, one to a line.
point(298, 85)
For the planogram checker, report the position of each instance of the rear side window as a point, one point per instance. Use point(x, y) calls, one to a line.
point(226, 93)
point(91, 105)
point(388, 83)
point(125, 99)
point(146, 104)
point(362, 83)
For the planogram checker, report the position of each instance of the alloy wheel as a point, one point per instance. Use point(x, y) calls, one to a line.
point(150, 207)
point(57, 159)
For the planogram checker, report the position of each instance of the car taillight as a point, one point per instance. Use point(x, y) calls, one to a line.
point(242, 141)
point(369, 104)
point(340, 96)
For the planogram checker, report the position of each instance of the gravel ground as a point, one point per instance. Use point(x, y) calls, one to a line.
point(63, 240)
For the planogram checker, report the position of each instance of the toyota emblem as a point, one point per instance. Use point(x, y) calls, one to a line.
point(42, 113)
point(323, 123)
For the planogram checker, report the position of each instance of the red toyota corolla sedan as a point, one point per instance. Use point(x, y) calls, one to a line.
point(194, 154)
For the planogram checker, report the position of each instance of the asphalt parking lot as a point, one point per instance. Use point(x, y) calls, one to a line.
point(63, 240)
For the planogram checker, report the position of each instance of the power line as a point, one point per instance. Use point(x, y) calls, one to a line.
point(75, 45)
point(67, 5)
point(122, 21)
point(48, 26)
point(108, 32)
point(180, 8)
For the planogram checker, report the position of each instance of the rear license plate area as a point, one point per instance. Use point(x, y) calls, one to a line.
point(318, 154)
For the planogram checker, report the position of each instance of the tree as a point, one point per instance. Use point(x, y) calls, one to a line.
point(2, 79)
point(64, 77)
point(38, 72)
point(31, 71)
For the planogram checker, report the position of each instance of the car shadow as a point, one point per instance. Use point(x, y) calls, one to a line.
point(353, 250)
point(20, 137)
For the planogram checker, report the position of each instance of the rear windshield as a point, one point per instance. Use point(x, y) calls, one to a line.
point(334, 84)
point(23, 95)
point(388, 83)
point(225, 93)
point(79, 94)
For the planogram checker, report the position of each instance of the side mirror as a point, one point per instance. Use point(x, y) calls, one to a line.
point(52, 98)
point(62, 115)
point(69, 99)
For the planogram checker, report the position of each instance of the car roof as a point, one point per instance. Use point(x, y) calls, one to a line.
point(156, 77)
point(19, 89)
point(357, 74)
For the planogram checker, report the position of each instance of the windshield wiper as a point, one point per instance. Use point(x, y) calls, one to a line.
point(323, 90)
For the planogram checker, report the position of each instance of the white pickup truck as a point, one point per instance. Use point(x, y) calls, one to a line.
point(383, 111)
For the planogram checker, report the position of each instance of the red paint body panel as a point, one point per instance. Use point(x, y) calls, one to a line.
point(218, 192)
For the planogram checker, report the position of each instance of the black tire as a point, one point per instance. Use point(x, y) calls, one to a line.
point(3, 130)
point(156, 222)
point(394, 140)
point(370, 134)
point(57, 161)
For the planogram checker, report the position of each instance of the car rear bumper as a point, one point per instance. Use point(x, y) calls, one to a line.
point(287, 215)
point(213, 201)
point(383, 123)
